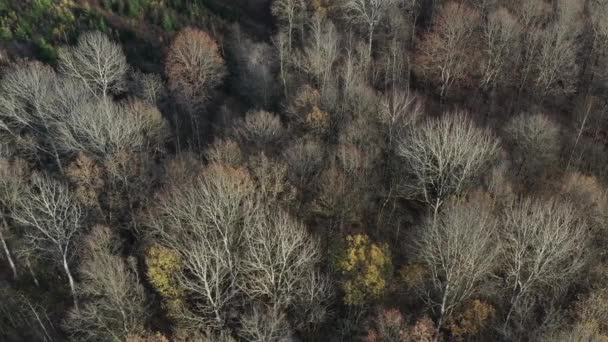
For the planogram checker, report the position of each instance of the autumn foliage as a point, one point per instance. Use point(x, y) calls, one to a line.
point(366, 267)
point(194, 67)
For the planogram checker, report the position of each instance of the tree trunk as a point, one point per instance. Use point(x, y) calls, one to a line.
point(370, 42)
point(8, 255)
point(32, 273)
point(54, 147)
point(39, 321)
point(442, 311)
point(580, 133)
point(71, 281)
point(290, 34)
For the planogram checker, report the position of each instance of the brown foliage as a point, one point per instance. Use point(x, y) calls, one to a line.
point(225, 152)
point(475, 317)
point(88, 177)
point(588, 194)
point(305, 110)
point(594, 310)
point(194, 67)
point(390, 325)
point(148, 337)
point(424, 331)
point(445, 55)
point(413, 274)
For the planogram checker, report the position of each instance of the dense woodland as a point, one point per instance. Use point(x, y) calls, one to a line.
point(303, 170)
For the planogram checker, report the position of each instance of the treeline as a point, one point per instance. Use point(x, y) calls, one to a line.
point(376, 170)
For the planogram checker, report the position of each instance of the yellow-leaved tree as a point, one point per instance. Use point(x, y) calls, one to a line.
point(163, 265)
point(365, 267)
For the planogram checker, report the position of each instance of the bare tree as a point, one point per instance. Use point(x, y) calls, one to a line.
point(598, 12)
point(368, 13)
point(225, 152)
point(256, 66)
point(103, 127)
point(556, 66)
point(444, 156)
point(339, 198)
point(285, 60)
point(459, 250)
point(578, 332)
point(115, 307)
point(230, 247)
point(279, 256)
point(53, 220)
point(272, 186)
point(148, 87)
point(320, 51)
point(398, 110)
point(313, 300)
point(25, 88)
point(204, 221)
point(260, 128)
point(11, 187)
point(62, 117)
point(96, 61)
point(532, 16)
point(291, 16)
point(534, 140)
point(445, 54)
point(5, 248)
point(544, 245)
point(304, 158)
point(501, 34)
point(598, 19)
point(266, 325)
point(23, 319)
point(354, 96)
point(25, 92)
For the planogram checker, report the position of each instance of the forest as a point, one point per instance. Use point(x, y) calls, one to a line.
point(303, 170)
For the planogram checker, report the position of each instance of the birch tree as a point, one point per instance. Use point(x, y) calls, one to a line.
point(11, 186)
point(321, 51)
point(367, 13)
point(291, 15)
point(53, 221)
